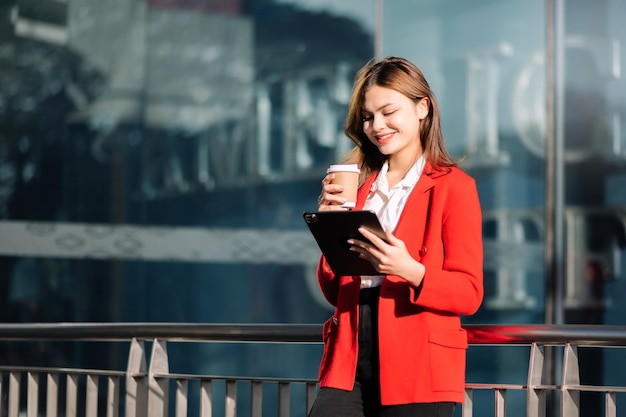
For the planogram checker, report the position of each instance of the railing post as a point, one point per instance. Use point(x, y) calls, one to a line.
point(71, 395)
point(91, 394)
point(311, 394)
point(113, 397)
point(182, 395)
point(256, 399)
point(284, 402)
point(468, 403)
point(158, 386)
point(230, 404)
point(500, 402)
point(570, 383)
point(206, 398)
point(136, 383)
point(52, 395)
point(610, 406)
point(536, 397)
point(32, 408)
point(14, 394)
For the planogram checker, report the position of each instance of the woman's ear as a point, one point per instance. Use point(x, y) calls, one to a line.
point(423, 107)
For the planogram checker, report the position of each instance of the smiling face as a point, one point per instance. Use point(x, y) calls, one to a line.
point(391, 121)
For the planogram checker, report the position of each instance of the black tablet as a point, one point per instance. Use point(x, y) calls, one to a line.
point(332, 229)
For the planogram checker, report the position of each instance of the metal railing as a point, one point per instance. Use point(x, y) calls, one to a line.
point(147, 387)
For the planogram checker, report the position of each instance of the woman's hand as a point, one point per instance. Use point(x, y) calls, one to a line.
point(328, 200)
point(389, 258)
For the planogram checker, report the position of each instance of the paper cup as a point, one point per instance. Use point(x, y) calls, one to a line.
point(348, 176)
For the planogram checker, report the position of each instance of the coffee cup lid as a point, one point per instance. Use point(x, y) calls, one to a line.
point(343, 168)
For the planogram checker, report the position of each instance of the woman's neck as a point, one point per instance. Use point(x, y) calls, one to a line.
point(399, 166)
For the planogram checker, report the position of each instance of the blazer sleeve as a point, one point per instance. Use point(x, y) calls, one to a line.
point(455, 284)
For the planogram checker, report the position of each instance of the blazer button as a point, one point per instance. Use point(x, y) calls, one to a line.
point(423, 251)
point(335, 321)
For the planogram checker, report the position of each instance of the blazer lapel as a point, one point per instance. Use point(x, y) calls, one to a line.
point(364, 190)
point(414, 217)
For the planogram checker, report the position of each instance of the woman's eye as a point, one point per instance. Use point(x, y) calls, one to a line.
point(389, 113)
point(366, 118)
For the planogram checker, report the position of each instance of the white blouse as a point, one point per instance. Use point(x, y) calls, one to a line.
point(388, 204)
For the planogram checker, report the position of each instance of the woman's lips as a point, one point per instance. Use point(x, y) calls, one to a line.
point(382, 139)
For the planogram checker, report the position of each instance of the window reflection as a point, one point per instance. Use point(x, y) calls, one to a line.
point(490, 75)
point(185, 113)
point(216, 114)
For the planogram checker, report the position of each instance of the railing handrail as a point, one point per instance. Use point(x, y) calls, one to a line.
point(587, 335)
point(296, 333)
point(147, 378)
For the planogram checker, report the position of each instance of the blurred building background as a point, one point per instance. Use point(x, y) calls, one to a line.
point(156, 157)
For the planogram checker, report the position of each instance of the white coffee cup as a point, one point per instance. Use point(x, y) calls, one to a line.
point(348, 176)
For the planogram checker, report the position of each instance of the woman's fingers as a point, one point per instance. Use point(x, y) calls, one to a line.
point(329, 198)
point(376, 239)
point(327, 179)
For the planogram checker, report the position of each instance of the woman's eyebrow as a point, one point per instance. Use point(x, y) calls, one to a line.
point(379, 107)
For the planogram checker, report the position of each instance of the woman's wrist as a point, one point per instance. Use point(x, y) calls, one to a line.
point(416, 274)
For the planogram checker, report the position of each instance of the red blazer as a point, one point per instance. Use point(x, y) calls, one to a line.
point(422, 344)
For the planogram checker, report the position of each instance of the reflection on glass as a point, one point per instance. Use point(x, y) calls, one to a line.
point(492, 94)
point(163, 144)
point(489, 71)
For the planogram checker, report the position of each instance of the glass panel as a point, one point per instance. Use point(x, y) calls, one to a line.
point(485, 62)
point(487, 70)
point(595, 179)
point(156, 157)
point(595, 163)
point(153, 139)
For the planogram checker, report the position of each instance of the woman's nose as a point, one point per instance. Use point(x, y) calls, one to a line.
point(377, 123)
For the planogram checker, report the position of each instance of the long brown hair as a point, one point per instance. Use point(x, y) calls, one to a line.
point(404, 77)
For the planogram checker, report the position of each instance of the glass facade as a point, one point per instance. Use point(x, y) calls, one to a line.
point(156, 157)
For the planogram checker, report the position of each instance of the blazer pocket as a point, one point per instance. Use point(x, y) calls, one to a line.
point(448, 350)
point(328, 327)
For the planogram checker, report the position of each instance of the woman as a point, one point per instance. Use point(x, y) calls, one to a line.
point(395, 345)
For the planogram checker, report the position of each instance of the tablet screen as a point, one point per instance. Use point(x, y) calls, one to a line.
point(332, 229)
